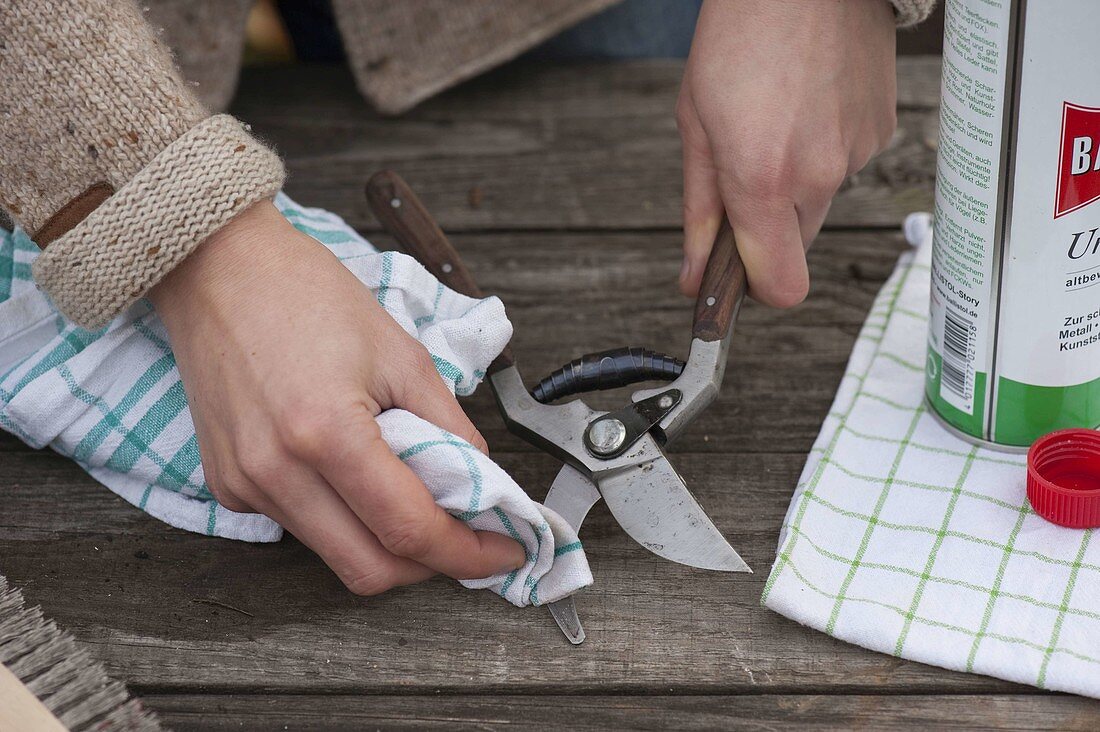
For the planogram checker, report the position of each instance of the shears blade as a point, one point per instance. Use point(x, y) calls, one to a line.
point(655, 507)
point(571, 495)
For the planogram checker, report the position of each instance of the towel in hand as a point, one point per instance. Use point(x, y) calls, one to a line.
point(907, 540)
point(112, 400)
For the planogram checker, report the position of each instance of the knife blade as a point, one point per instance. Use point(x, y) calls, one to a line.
point(571, 495)
point(654, 506)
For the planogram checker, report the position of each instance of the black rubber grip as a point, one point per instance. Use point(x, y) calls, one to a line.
point(607, 370)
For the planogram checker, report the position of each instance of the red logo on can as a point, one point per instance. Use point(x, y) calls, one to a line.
point(1079, 166)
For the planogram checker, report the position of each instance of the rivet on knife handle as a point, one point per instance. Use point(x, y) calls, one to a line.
point(722, 290)
point(403, 215)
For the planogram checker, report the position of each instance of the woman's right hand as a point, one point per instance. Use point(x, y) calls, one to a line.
point(286, 359)
point(781, 101)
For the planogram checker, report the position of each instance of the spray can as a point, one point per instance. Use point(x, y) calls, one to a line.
point(1014, 329)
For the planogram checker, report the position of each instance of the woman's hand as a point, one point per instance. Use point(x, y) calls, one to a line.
point(286, 359)
point(781, 100)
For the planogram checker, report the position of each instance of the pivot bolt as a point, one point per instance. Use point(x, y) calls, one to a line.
point(605, 436)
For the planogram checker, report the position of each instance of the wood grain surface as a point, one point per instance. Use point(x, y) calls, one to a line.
point(560, 187)
point(570, 147)
point(649, 712)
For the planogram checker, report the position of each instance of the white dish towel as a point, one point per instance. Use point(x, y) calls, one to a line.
point(906, 540)
point(112, 400)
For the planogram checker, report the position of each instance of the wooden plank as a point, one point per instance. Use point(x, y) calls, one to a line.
point(525, 91)
point(544, 148)
point(82, 554)
point(919, 81)
point(649, 712)
point(137, 593)
point(140, 593)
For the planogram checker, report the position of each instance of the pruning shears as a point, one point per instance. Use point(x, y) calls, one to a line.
point(615, 455)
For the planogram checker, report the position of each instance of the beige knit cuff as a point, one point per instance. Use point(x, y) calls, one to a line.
point(911, 12)
point(191, 189)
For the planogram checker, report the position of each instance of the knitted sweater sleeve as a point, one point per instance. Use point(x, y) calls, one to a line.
point(106, 157)
point(911, 12)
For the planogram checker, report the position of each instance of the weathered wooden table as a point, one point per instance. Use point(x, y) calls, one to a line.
point(562, 188)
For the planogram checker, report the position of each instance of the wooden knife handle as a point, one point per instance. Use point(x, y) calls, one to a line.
point(403, 215)
point(722, 290)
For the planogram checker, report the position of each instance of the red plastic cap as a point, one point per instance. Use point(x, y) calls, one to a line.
point(1063, 478)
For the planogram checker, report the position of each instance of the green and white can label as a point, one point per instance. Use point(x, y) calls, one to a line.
point(1014, 332)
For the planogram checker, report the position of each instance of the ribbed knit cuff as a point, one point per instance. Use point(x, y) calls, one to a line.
point(192, 188)
point(911, 12)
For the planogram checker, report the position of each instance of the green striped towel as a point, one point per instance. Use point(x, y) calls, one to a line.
point(112, 400)
point(906, 540)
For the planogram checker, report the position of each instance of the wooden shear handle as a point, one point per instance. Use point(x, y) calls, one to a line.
point(403, 215)
point(722, 290)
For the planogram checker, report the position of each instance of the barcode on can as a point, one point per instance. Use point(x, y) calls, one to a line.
point(957, 374)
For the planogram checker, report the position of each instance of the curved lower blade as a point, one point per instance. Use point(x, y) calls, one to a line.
point(571, 495)
point(655, 507)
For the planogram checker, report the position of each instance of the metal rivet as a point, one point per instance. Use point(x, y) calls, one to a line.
point(606, 435)
point(395, 203)
point(447, 268)
point(664, 402)
point(711, 301)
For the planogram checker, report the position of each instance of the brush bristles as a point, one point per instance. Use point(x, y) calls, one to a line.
point(65, 678)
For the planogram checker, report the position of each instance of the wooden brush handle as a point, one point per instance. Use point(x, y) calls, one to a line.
point(722, 290)
point(404, 216)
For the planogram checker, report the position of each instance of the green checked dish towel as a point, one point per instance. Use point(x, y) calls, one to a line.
point(906, 540)
point(112, 400)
